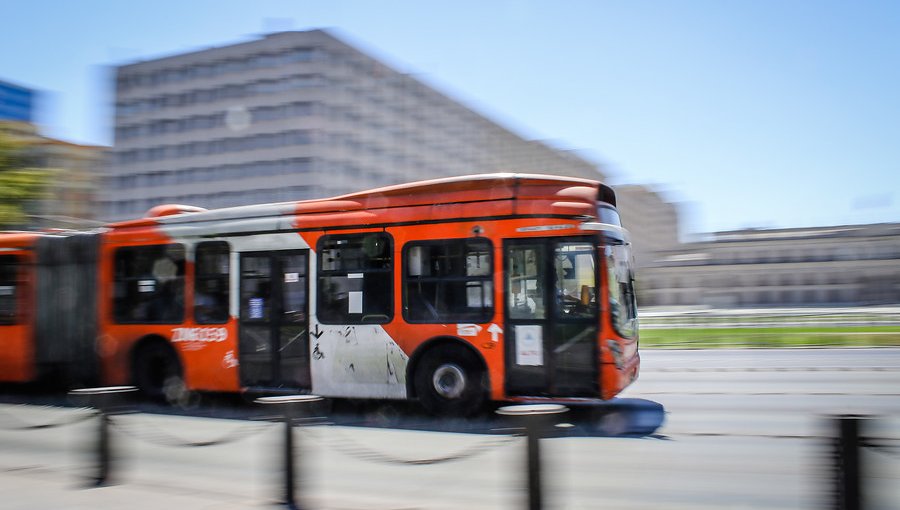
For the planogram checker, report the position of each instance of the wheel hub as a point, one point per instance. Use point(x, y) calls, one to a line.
point(449, 381)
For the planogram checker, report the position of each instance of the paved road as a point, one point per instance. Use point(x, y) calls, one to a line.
point(743, 429)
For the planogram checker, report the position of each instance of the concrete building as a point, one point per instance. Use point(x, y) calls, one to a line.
point(290, 116)
point(831, 266)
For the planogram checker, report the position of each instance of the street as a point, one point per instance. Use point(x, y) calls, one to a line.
point(743, 429)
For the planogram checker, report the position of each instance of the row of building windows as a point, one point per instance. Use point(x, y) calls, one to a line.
point(821, 255)
point(218, 68)
point(404, 119)
point(14, 93)
point(16, 112)
point(222, 93)
point(372, 82)
point(397, 156)
point(254, 169)
point(466, 143)
point(836, 297)
point(232, 117)
point(16, 102)
point(842, 253)
point(426, 115)
point(219, 146)
point(783, 280)
point(401, 130)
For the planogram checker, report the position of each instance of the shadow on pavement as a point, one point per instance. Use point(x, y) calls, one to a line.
point(626, 417)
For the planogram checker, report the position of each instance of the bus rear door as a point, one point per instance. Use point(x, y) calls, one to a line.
point(274, 319)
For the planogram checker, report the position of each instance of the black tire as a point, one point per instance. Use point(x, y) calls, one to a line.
point(157, 372)
point(451, 381)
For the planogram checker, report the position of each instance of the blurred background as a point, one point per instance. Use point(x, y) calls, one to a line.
point(750, 145)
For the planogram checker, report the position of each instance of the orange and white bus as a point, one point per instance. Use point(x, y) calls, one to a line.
point(503, 287)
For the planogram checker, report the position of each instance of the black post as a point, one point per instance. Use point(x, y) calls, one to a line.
point(106, 401)
point(535, 495)
point(289, 406)
point(103, 447)
point(289, 457)
point(536, 418)
point(848, 470)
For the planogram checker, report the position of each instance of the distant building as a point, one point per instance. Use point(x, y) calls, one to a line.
point(651, 221)
point(290, 116)
point(16, 102)
point(824, 266)
point(73, 181)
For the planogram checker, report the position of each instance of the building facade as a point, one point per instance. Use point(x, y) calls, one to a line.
point(17, 103)
point(827, 266)
point(291, 116)
point(73, 176)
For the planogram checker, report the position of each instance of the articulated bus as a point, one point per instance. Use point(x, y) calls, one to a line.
point(457, 291)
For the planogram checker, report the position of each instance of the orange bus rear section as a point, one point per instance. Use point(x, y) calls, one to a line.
point(397, 268)
point(51, 332)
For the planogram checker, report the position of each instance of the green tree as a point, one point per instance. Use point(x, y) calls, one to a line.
point(19, 183)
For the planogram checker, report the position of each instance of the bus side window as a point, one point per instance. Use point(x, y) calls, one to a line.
point(355, 279)
point(525, 283)
point(9, 283)
point(211, 282)
point(149, 284)
point(448, 281)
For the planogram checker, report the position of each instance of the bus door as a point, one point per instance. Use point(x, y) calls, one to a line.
point(274, 319)
point(550, 294)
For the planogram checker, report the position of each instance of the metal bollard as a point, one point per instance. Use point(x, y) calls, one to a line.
point(106, 401)
point(536, 418)
point(848, 470)
point(288, 405)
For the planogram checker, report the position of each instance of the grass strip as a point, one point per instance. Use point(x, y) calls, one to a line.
point(801, 336)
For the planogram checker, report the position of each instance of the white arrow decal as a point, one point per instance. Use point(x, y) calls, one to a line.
point(494, 330)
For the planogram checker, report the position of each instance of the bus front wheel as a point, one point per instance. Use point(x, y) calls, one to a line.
point(450, 381)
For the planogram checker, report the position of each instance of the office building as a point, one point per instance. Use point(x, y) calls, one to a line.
point(291, 116)
point(17, 103)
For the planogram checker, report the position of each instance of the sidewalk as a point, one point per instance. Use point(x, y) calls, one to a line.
point(52, 468)
point(42, 488)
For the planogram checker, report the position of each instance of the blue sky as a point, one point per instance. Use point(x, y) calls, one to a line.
point(750, 113)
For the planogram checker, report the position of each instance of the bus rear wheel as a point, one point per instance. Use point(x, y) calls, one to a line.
point(157, 372)
point(450, 381)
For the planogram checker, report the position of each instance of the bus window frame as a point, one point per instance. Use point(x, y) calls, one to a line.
point(593, 307)
point(347, 318)
point(182, 313)
point(17, 264)
point(487, 311)
point(198, 277)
